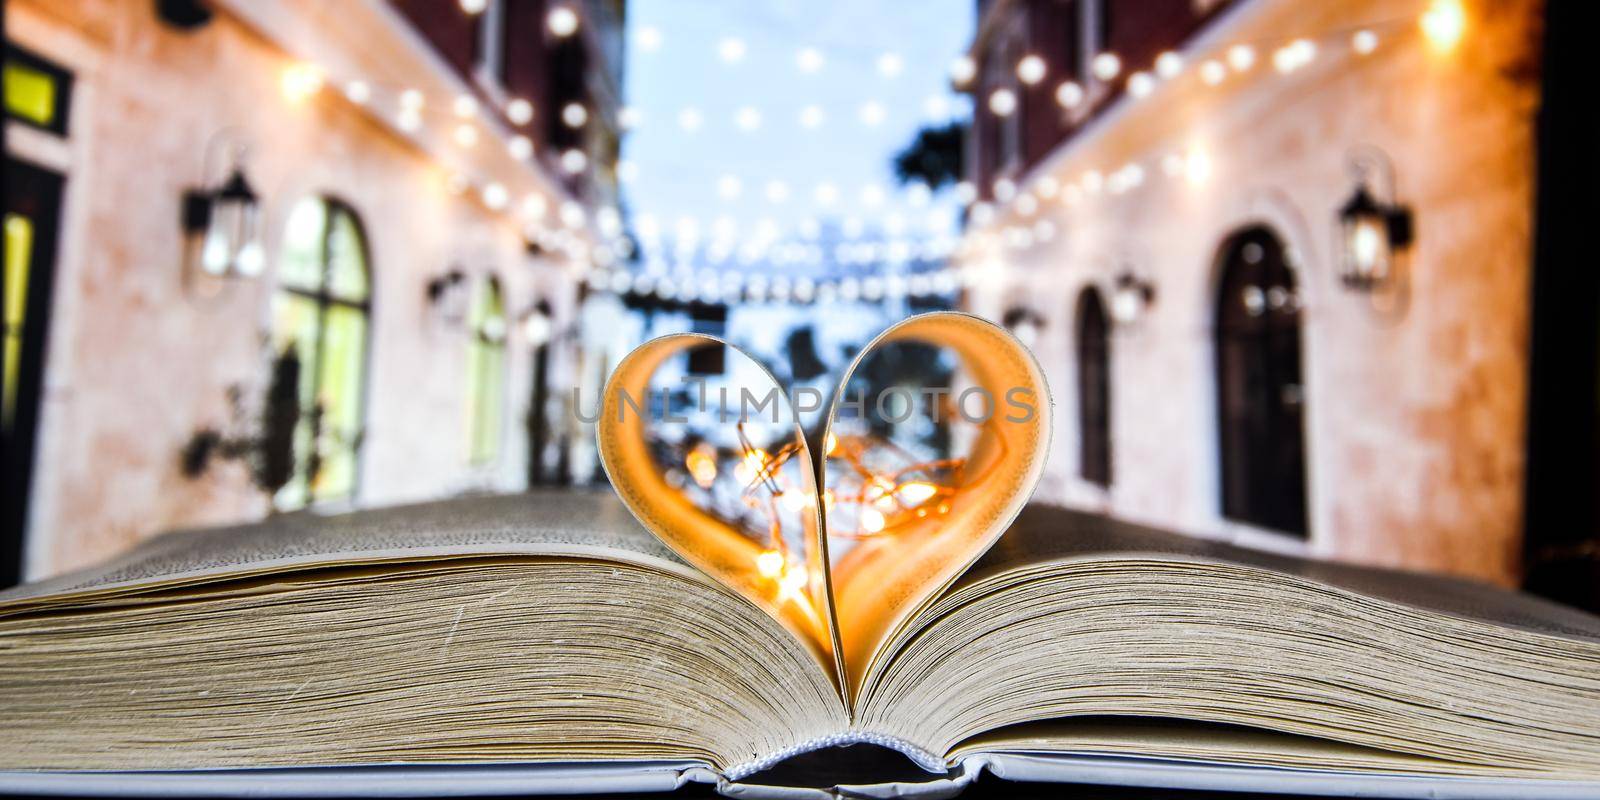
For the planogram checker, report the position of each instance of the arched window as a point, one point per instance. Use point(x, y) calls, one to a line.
point(321, 314)
point(1260, 400)
point(1093, 348)
point(486, 369)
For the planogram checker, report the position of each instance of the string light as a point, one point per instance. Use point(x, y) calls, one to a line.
point(465, 106)
point(731, 50)
point(519, 111)
point(777, 191)
point(411, 100)
point(1002, 102)
point(358, 92)
point(1364, 42)
point(890, 65)
point(562, 21)
point(962, 70)
point(872, 113)
point(466, 135)
point(1169, 65)
point(474, 7)
point(1444, 23)
point(812, 116)
point(1031, 69)
point(534, 206)
point(574, 115)
point(809, 60)
point(520, 147)
point(1140, 84)
point(1212, 72)
point(1241, 57)
point(572, 214)
point(1294, 55)
point(690, 120)
point(747, 119)
point(1069, 95)
point(574, 161)
point(408, 120)
point(495, 196)
point(729, 187)
point(648, 39)
point(300, 82)
point(1106, 66)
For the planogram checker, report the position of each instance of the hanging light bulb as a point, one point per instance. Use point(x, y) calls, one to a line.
point(1169, 65)
point(1031, 69)
point(890, 65)
point(1069, 95)
point(519, 111)
point(562, 21)
point(962, 70)
point(1364, 42)
point(1241, 57)
point(731, 50)
point(809, 60)
point(1003, 102)
point(1443, 23)
point(574, 115)
point(1106, 66)
point(358, 92)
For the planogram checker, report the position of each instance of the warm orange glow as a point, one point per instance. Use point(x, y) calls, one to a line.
point(830, 444)
point(1444, 23)
point(872, 520)
point(702, 465)
point(915, 493)
point(769, 563)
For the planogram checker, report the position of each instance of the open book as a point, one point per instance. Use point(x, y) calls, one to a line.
point(548, 642)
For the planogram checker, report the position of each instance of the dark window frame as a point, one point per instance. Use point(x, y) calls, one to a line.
point(64, 86)
point(1092, 346)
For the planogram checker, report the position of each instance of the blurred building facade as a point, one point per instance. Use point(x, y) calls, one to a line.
point(405, 328)
point(1172, 210)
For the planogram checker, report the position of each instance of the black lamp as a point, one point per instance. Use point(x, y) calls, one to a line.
point(447, 297)
point(1371, 230)
point(1130, 296)
point(229, 215)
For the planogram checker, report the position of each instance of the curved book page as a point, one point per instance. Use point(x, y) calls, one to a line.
point(734, 495)
point(929, 538)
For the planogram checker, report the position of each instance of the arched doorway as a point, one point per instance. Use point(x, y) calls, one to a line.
point(1093, 348)
point(1260, 397)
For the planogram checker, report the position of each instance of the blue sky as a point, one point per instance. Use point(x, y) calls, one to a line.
point(680, 173)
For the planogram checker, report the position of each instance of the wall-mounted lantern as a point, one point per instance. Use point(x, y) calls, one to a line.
point(536, 324)
point(1373, 227)
point(447, 295)
point(228, 216)
point(1131, 297)
point(1024, 323)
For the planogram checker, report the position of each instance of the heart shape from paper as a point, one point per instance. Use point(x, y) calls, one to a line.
point(758, 505)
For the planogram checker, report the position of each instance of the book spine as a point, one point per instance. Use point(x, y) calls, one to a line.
point(922, 758)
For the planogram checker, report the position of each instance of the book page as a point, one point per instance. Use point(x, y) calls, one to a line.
point(1044, 534)
point(551, 522)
